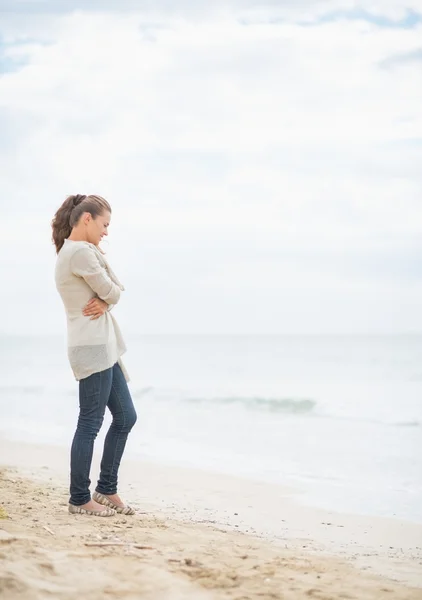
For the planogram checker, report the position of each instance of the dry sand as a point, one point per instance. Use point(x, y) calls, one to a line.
point(163, 553)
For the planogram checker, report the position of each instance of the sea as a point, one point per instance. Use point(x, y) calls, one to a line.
point(336, 418)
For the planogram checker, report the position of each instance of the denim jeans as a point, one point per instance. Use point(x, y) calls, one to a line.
point(104, 389)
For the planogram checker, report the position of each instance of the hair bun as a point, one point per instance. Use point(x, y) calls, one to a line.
point(78, 198)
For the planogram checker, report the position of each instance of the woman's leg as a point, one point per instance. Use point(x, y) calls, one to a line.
point(124, 418)
point(94, 393)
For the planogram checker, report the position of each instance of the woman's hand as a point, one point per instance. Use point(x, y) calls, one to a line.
point(95, 308)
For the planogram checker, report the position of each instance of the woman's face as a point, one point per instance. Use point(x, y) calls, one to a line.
point(97, 228)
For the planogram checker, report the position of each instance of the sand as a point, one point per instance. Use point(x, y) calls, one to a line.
point(188, 541)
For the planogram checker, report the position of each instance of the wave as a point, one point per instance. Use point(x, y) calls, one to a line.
point(368, 419)
point(297, 406)
point(282, 405)
point(142, 392)
point(21, 389)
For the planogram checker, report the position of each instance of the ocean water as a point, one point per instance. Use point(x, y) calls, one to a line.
point(338, 418)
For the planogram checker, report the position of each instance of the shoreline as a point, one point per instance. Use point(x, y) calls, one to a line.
point(304, 494)
point(202, 503)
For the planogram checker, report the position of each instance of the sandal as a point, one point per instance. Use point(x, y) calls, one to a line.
point(123, 510)
point(78, 510)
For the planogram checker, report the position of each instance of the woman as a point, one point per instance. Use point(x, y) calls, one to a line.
point(89, 289)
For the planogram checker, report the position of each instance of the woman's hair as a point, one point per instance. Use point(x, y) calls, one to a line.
point(71, 211)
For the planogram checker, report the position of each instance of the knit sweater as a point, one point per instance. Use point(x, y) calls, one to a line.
point(83, 273)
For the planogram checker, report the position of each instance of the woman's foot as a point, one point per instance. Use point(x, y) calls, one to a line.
point(113, 501)
point(92, 508)
point(92, 505)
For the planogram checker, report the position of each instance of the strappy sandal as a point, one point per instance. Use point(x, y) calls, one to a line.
point(78, 510)
point(123, 510)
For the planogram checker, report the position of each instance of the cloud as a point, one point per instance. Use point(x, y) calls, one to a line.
point(256, 171)
point(404, 59)
point(408, 19)
point(388, 12)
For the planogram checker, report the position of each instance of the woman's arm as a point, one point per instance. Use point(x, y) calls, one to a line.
point(84, 263)
point(96, 308)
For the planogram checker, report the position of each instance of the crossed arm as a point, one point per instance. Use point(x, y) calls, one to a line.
point(85, 264)
point(95, 308)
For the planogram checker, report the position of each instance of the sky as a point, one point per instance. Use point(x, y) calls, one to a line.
point(262, 159)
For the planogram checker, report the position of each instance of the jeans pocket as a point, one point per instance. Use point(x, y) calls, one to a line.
point(91, 386)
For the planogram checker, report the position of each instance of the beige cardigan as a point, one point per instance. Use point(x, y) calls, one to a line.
point(83, 273)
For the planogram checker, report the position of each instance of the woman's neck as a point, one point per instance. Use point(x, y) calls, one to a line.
point(77, 236)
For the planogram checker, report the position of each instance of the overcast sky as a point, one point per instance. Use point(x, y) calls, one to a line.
point(263, 160)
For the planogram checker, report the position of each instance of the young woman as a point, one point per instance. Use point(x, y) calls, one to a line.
point(89, 289)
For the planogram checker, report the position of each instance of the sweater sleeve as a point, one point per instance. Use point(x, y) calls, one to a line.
point(84, 263)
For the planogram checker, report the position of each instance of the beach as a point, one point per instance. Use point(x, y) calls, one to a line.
point(196, 534)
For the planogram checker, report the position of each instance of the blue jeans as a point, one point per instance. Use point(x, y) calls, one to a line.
point(106, 388)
